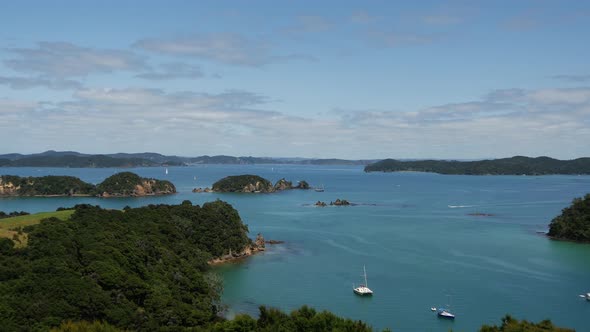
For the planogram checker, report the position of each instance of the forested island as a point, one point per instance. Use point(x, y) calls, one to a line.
point(507, 166)
point(120, 185)
point(249, 183)
point(574, 222)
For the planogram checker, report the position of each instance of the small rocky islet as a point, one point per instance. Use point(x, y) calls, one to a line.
point(337, 202)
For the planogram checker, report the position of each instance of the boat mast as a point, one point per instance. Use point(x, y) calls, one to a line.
point(365, 270)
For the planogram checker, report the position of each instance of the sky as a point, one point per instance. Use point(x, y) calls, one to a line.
point(316, 79)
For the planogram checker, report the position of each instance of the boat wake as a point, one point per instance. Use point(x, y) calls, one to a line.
point(459, 206)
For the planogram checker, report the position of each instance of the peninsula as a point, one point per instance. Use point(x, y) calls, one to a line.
point(518, 165)
point(118, 185)
point(573, 224)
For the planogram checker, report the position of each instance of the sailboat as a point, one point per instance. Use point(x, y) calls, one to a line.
point(320, 189)
point(364, 288)
point(446, 311)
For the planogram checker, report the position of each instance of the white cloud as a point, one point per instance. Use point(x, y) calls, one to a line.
point(579, 78)
point(31, 82)
point(226, 48)
point(173, 70)
point(507, 122)
point(61, 59)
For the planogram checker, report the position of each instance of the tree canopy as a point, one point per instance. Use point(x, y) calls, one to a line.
point(120, 184)
point(574, 222)
point(141, 268)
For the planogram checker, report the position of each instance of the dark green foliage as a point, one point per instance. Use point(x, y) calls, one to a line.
point(142, 268)
point(508, 166)
point(302, 319)
point(120, 184)
point(12, 214)
point(237, 183)
point(574, 222)
point(84, 326)
point(125, 184)
point(49, 185)
point(510, 324)
point(302, 185)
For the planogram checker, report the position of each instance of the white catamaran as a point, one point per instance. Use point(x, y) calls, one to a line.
point(363, 289)
point(446, 312)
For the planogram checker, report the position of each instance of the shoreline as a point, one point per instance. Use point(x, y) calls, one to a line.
point(257, 247)
point(232, 258)
point(84, 195)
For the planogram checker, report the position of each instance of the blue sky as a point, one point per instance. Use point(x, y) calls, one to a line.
point(370, 79)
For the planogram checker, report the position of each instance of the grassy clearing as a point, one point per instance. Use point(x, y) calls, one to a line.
point(8, 226)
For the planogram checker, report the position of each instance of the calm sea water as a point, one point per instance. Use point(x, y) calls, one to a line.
point(412, 231)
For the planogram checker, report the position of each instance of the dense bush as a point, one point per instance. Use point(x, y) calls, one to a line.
point(12, 214)
point(49, 185)
point(143, 268)
point(510, 324)
point(120, 184)
point(574, 222)
point(237, 183)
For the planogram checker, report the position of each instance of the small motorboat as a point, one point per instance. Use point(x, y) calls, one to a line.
point(433, 309)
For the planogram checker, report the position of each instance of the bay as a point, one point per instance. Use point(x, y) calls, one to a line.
point(412, 231)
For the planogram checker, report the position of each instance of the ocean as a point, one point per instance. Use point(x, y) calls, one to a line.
point(426, 240)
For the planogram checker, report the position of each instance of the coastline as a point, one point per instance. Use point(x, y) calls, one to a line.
point(235, 257)
point(87, 195)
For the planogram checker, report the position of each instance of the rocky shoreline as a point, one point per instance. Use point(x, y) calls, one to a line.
point(258, 246)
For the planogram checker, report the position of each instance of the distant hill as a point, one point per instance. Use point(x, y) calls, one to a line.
point(518, 165)
point(53, 158)
point(77, 161)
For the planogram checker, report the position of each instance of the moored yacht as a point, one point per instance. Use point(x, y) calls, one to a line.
point(363, 289)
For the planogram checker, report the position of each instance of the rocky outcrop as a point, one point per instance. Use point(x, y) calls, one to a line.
point(259, 242)
point(257, 246)
point(283, 184)
point(258, 187)
point(320, 204)
point(8, 188)
point(339, 202)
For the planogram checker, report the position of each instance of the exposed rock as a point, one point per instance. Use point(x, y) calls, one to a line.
point(302, 185)
point(259, 242)
point(8, 188)
point(283, 184)
point(249, 250)
point(480, 214)
point(320, 204)
point(340, 202)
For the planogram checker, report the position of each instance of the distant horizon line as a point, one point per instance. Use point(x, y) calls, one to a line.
point(284, 158)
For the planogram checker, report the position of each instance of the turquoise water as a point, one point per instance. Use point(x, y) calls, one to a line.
point(412, 231)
